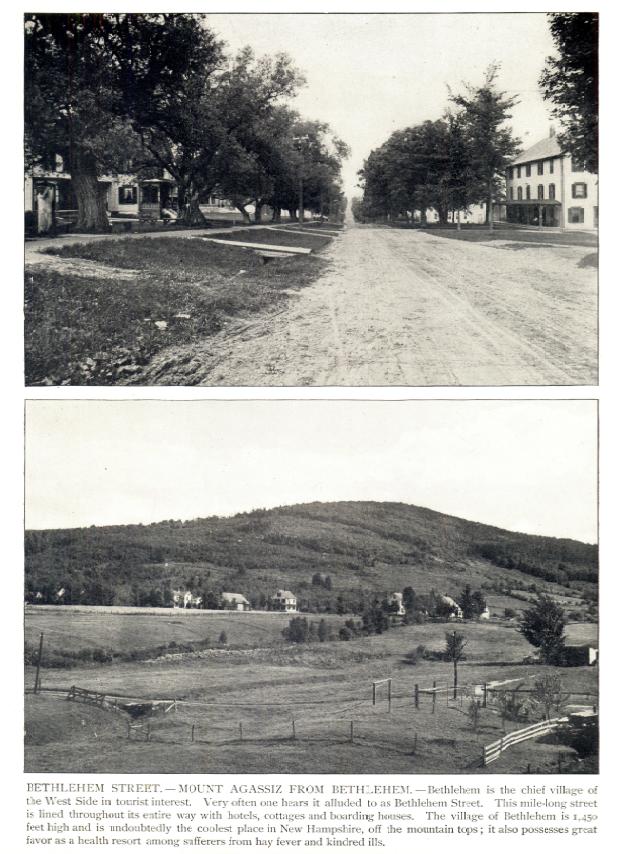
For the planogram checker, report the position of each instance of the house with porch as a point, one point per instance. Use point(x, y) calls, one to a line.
point(547, 188)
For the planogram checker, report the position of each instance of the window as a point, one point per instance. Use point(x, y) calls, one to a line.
point(519, 193)
point(510, 173)
point(518, 171)
point(527, 191)
point(539, 168)
point(576, 165)
point(511, 192)
point(551, 167)
point(540, 192)
point(127, 195)
point(552, 191)
point(528, 170)
point(575, 215)
point(150, 194)
point(579, 190)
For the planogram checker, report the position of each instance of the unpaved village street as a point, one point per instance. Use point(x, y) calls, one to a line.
point(401, 307)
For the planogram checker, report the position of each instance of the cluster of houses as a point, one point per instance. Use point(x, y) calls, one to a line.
point(398, 609)
point(283, 600)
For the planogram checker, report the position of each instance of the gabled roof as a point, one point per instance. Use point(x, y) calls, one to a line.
point(548, 147)
point(284, 594)
point(235, 597)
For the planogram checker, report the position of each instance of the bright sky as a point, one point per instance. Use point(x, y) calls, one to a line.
point(522, 465)
point(369, 75)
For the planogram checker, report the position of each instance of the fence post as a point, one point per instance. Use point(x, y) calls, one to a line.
point(148, 732)
point(351, 732)
point(389, 694)
point(241, 737)
point(294, 731)
point(415, 744)
point(192, 732)
point(128, 730)
point(416, 696)
point(434, 698)
point(485, 695)
point(373, 693)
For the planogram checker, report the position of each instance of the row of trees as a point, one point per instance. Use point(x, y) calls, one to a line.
point(447, 164)
point(160, 92)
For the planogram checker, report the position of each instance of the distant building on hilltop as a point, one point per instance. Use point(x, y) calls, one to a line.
point(284, 600)
point(235, 602)
point(545, 187)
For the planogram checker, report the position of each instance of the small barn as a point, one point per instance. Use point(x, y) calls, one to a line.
point(579, 655)
point(235, 602)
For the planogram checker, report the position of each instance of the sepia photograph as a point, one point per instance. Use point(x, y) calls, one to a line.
point(308, 200)
point(311, 587)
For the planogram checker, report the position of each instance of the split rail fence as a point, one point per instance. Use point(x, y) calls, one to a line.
point(494, 750)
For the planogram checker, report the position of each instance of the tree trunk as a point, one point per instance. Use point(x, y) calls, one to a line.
point(276, 214)
point(258, 211)
point(423, 216)
point(191, 214)
point(91, 195)
point(245, 214)
point(293, 214)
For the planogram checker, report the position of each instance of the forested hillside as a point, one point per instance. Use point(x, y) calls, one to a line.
point(318, 550)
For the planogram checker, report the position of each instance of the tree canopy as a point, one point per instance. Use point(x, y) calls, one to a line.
point(447, 164)
point(162, 91)
point(543, 625)
point(570, 81)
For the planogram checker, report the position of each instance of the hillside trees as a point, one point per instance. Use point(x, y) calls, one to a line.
point(570, 82)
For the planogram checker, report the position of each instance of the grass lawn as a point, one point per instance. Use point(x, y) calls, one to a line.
point(99, 327)
point(321, 687)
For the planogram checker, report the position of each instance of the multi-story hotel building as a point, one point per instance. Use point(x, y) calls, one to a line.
point(545, 187)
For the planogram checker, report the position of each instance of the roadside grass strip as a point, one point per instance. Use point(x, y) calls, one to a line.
point(144, 295)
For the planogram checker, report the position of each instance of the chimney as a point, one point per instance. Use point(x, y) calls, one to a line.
point(552, 131)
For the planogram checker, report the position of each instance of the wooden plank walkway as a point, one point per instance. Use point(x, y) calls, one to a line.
point(270, 247)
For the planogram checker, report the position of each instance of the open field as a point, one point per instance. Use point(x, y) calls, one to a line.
point(96, 312)
point(68, 628)
point(321, 687)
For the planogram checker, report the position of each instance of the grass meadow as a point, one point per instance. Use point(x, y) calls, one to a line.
point(243, 701)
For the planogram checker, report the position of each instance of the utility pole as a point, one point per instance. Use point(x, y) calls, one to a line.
point(37, 676)
point(300, 144)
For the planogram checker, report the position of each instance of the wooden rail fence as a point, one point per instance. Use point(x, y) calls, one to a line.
point(493, 751)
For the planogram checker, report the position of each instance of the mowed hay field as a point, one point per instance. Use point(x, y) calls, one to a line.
point(242, 703)
point(126, 629)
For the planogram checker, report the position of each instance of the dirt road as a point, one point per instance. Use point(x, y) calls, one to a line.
point(412, 308)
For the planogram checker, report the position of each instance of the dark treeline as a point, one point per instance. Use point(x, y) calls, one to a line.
point(447, 164)
point(148, 93)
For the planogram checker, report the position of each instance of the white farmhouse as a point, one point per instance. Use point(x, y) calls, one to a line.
point(284, 600)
